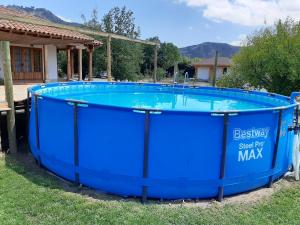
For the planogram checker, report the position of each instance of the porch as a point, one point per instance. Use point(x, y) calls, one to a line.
point(34, 48)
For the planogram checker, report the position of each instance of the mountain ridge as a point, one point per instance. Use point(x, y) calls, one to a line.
point(43, 14)
point(208, 49)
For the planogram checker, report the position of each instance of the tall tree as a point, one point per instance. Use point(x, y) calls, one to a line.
point(93, 23)
point(126, 57)
point(120, 21)
point(168, 54)
point(270, 58)
point(148, 51)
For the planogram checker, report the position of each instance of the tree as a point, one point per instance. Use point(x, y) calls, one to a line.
point(168, 54)
point(148, 51)
point(120, 21)
point(270, 58)
point(93, 22)
point(127, 57)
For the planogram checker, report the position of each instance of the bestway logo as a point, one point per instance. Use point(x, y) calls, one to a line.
point(239, 134)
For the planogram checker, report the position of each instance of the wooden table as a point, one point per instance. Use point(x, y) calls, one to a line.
point(4, 107)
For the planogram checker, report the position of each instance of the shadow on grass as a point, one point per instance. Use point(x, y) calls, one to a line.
point(24, 164)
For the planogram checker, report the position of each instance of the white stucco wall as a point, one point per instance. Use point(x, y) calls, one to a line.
point(219, 73)
point(51, 52)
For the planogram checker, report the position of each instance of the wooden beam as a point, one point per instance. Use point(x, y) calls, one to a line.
point(155, 64)
point(79, 64)
point(90, 51)
point(32, 20)
point(109, 76)
point(11, 122)
point(69, 64)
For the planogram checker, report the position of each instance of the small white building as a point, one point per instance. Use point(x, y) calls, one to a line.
point(204, 70)
point(34, 44)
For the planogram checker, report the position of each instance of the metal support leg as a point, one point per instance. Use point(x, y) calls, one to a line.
point(27, 114)
point(276, 146)
point(223, 159)
point(76, 161)
point(37, 131)
point(146, 155)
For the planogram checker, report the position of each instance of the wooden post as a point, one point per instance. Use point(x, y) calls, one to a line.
point(79, 64)
point(109, 76)
point(155, 64)
point(68, 64)
point(215, 70)
point(90, 50)
point(46, 71)
point(72, 63)
point(175, 72)
point(11, 122)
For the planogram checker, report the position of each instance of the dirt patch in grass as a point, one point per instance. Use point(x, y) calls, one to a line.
point(30, 170)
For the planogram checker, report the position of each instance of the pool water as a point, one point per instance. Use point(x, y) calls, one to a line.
point(166, 101)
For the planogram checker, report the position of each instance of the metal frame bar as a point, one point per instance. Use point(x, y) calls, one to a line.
point(146, 154)
point(27, 113)
point(276, 146)
point(37, 130)
point(223, 159)
point(297, 115)
point(76, 158)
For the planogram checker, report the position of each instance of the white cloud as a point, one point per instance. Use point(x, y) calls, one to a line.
point(191, 28)
point(64, 18)
point(239, 41)
point(247, 12)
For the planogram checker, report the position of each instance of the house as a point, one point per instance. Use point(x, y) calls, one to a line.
point(34, 44)
point(204, 70)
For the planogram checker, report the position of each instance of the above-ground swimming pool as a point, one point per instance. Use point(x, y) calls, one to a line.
point(161, 141)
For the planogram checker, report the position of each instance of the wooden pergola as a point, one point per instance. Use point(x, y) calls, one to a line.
point(25, 18)
point(23, 27)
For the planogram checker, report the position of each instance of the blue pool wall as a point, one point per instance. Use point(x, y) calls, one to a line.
point(185, 147)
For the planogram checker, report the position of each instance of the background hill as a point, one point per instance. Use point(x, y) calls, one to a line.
point(208, 49)
point(43, 14)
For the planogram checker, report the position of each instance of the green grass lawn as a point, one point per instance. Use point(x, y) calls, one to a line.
point(29, 195)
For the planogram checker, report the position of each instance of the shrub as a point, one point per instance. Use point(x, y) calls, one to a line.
point(161, 73)
point(232, 80)
point(270, 58)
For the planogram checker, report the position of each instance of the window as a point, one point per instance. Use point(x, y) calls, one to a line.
point(26, 60)
point(27, 63)
point(17, 60)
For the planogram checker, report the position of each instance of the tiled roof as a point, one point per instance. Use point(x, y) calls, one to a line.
point(222, 61)
point(37, 29)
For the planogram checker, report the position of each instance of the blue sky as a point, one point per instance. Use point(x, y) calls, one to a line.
point(183, 22)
